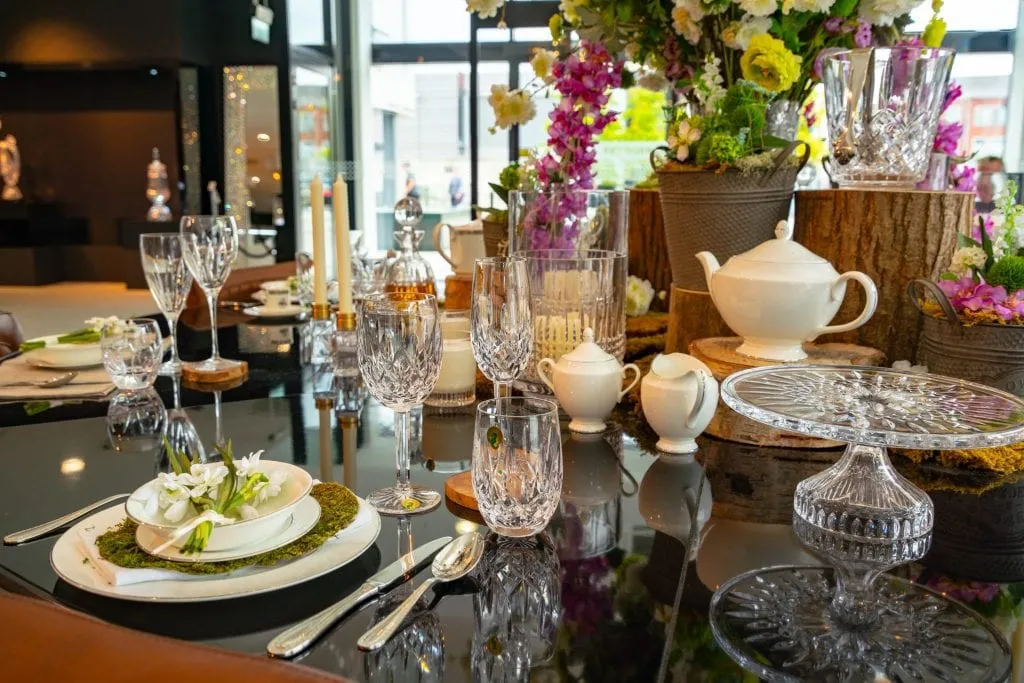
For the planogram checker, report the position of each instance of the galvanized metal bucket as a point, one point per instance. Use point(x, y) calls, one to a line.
point(991, 354)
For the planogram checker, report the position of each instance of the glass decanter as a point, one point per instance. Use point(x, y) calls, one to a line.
point(409, 272)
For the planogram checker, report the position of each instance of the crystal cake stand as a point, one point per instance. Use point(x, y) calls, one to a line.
point(863, 517)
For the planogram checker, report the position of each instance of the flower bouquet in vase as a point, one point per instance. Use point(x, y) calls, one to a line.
point(974, 315)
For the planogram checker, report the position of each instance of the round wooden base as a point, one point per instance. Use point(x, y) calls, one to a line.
point(215, 380)
point(459, 489)
point(719, 354)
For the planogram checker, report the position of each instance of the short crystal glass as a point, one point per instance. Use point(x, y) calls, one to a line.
point(517, 464)
point(169, 280)
point(399, 350)
point(501, 329)
point(132, 353)
point(210, 248)
point(883, 106)
point(456, 385)
point(136, 422)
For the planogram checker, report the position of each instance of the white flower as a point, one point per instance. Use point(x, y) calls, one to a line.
point(812, 5)
point(737, 35)
point(203, 480)
point(884, 12)
point(905, 366)
point(113, 323)
point(685, 23)
point(966, 258)
point(652, 80)
point(639, 295)
point(710, 89)
point(681, 138)
point(174, 496)
point(758, 8)
point(542, 61)
point(510, 108)
point(248, 512)
point(484, 8)
point(271, 487)
point(248, 464)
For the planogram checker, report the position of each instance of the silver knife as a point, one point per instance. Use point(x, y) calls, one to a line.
point(299, 637)
point(19, 537)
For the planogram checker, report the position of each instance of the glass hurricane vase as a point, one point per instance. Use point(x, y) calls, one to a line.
point(569, 219)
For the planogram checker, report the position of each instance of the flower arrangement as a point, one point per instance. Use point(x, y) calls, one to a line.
point(985, 281)
point(90, 334)
point(201, 495)
point(516, 177)
point(1001, 603)
point(639, 296)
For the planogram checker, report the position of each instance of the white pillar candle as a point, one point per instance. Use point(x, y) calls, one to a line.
point(342, 246)
point(316, 201)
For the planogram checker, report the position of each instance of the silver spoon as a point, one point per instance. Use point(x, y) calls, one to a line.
point(455, 560)
point(49, 383)
point(860, 63)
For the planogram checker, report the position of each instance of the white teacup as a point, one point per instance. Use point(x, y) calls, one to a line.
point(277, 296)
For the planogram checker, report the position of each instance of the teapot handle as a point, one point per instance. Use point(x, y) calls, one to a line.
point(437, 242)
point(543, 375)
point(870, 305)
point(636, 378)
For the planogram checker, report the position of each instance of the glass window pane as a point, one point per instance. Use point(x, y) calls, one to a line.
point(306, 22)
point(493, 146)
point(964, 15)
point(420, 21)
point(985, 78)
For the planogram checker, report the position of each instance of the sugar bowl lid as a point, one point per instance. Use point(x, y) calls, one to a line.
point(782, 250)
point(588, 351)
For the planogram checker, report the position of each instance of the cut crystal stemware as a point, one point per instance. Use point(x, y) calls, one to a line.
point(864, 518)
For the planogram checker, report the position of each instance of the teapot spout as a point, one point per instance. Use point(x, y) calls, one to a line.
point(710, 263)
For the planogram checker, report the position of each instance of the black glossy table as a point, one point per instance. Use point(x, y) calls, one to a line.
point(634, 552)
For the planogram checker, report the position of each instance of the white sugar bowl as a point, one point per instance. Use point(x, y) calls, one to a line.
point(587, 383)
point(679, 397)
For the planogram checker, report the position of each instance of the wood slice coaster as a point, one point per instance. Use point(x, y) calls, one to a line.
point(458, 290)
point(217, 379)
point(719, 354)
point(459, 489)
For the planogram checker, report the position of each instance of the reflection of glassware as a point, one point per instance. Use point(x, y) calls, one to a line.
point(413, 655)
point(304, 277)
point(516, 609)
point(132, 353)
point(375, 276)
point(882, 109)
point(136, 421)
point(863, 517)
point(448, 439)
point(169, 282)
point(569, 292)
point(501, 332)
point(409, 272)
point(399, 350)
point(211, 245)
point(158, 191)
point(181, 433)
point(669, 500)
point(576, 220)
point(456, 384)
point(517, 464)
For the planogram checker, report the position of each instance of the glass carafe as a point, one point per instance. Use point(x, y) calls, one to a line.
point(409, 272)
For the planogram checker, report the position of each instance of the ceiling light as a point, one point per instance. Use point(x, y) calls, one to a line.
point(263, 137)
point(255, 180)
point(72, 466)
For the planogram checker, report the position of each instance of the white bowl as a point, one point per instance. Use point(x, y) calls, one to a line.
point(66, 355)
point(274, 513)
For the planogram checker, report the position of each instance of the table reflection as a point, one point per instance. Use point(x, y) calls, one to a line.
point(136, 421)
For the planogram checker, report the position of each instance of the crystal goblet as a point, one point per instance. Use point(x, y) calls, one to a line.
point(501, 327)
point(132, 353)
point(399, 350)
point(169, 280)
point(210, 248)
point(863, 517)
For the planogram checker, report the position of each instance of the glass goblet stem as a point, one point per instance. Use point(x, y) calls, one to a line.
point(402, 457)
point(172, 326)
point(211, 299)
point(855, 603)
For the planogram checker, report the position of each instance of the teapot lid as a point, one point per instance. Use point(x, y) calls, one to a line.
point(782, 249)
point(588, 351)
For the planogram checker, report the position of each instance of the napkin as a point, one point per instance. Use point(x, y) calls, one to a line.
point(90, 383)
point(125, 576)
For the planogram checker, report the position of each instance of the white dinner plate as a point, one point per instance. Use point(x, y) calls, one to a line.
point(304, 518)
point(292, 311)
point(67, 560)
point(64, 356)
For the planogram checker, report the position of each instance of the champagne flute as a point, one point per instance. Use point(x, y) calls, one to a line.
point(501, 328)
point(169, 282)
point(210, 247)
point(398, 342)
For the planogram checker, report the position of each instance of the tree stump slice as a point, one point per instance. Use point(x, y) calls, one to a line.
point(648, 251)
point(459, 489)
point(893, 237)
point(692, 316)
point(216, 380)
point(719, 354)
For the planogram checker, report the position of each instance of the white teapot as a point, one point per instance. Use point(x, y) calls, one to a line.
point(466, 244)
point(679, 397)
point(587, 383)
point(779, 295)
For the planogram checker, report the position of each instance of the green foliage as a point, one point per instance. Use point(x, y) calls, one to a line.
point(642, 119)
point(843, 8)
point(724, 148)
point(1008, 272)
point(751, 116)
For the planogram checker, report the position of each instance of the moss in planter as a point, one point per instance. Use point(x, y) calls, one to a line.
point(1008, 272)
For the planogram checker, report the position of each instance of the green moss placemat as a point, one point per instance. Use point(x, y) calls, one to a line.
point(338, 507)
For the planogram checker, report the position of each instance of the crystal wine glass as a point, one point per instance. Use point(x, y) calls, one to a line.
point(169, 282)
point(210, 247)
point(399, 350)
point(501, 327)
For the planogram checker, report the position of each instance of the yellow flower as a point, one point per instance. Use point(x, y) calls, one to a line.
point(768, 63)
point(542, 61)
point(934, 32)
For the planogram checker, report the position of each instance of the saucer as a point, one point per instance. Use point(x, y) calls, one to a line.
point(293, 311)
point(304, 518)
